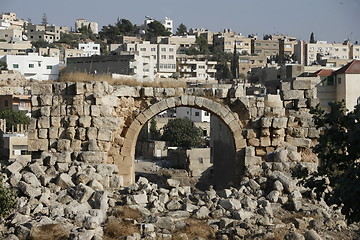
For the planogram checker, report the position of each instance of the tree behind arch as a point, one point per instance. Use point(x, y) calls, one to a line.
point(181, 132)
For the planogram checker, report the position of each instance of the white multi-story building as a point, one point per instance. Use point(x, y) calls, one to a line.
point(195, 115)
point(90, 48)
point(163, 54)
point(11, 35)
point(13, 21)
point(33, 66)
point(167, 22)
point(79, 23)
point(196, 68)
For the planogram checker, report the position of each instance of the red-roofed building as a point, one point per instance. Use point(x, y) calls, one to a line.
point(347, 81)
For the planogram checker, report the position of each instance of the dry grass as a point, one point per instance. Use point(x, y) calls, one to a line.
point(119, 224)
point(85, 77)
point(195, 229)
point(49, 231)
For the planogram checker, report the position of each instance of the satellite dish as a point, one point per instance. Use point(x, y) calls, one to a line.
point(24, 37)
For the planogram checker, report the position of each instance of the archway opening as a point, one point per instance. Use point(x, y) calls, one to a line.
point(212, 162)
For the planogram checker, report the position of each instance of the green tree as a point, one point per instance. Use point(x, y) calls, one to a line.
point(40, 44)
point(181, 132)
point(203, 45)
point(312, 38)
point(338, 151)
point(181, 30)
point(14, 117)
point(7, 200)
point(154, 132)
point(156, 28)
point(126, 27)
point(3, 65)
point(44, 20)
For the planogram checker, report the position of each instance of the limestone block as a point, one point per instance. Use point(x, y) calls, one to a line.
point(45, 100)
point(272, 101)
point(255, 142)
point(278, 111)
point(111, 123)
point(221, 92)
point(251, 161)
point(279, 122)
point(312, 102)
point(63, 145)
point(85, 121)
point(298, 142)
point(92, 133)
point(265, 141)
point(106, 111)
point(108, 100)
point(35, 101)
point(72, 120)
point(78, 100)
point(147, 92)
point(302, 84)
point(300, 103)
point(169, 92)
point(265, 132)
point(79, 88)
point(95, 110)
point(44, 122)
point(32, 134)
point(43, 133)
point(75, 145)
point(32, 124)
point(105, 134)
point(28, 190)
point(70, 132)
point(75, 110)
point(277, 141)
point(285, 86)
point(93, 157)
point(55, 122)
point(249, 152)
point(38, 144)
point(314, 133)
point(159, 92)
point(39, 89)
point(293, 94)
point(59, 87)
point(83, 193)
point(86, 111)
point(80, 133)
point(280, 156)
point(53, 132)
point(56, 111)
point(127, 91)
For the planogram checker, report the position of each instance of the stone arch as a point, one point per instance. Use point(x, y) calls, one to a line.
point(223, 112)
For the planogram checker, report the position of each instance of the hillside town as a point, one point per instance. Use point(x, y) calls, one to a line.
point(88, 117)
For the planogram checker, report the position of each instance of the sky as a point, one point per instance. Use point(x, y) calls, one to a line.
point(329, 20)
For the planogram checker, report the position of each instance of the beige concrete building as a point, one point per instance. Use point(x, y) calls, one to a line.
point(51, 52)
point(355, 51)
point(81, 22)
point(247, 62)
point(13, 20)
point(196, 68)
point(17, 48)
point(323, 50)
point(11, 35)
point(49, 33)
point(181, 42)
point(227, 40)
point(347, 84)
point(14, 146)
point(266, 48)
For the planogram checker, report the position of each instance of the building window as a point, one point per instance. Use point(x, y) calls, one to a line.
point(339, 81)
point(31, 65)
point(143, 49)
point(163, 56)
point(153, 49)
point(197, 114)
point(95, 48)
point(201, 67)
point(163, 49)
point(49, 67)
point(171, 57)
point(207, 114)
point(257, 44)
point(15, 65)
point(171, 49)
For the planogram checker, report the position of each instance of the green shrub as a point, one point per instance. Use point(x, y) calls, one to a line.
point(7, 200)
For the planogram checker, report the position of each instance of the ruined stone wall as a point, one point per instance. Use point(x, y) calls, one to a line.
point(99, 123)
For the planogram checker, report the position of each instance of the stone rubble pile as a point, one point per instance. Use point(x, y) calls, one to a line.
point(78, 198)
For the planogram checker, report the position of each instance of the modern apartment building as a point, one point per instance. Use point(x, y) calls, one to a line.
point(90, 48)
point(247, 62)
point(163, 54)
point(323, 50)
point(33, 66)
point(227, 40)
point(195, 115)
point(93, 26)
point(13, 20)
point(16, 48)
point(11, 35)
point(167, 22)
point(48, 33)
point(181, 42)
point(16, 102)
point(196, 68)
point(266, 48)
